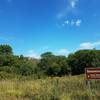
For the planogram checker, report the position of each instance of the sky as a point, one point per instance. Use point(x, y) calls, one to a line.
point(33, 27)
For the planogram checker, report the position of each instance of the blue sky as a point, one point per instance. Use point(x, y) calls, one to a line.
point(32, 27)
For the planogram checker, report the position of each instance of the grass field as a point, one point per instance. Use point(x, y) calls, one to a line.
point(57, 88)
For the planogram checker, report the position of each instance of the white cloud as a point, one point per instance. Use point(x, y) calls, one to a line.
point(72, 22)
point(68, 7)
point(64, 52)
point(78, 22)
point(31, 53)
point(73, 3)
point(66, 22)
point(86, 45)
point(89, 45)
point(96, 43)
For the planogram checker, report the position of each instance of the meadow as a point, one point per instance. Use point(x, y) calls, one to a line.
point(51, 88)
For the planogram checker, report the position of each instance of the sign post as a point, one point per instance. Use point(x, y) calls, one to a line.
point(92, 74)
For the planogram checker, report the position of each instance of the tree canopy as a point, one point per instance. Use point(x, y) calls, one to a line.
point(6, 50)
point(49, 64)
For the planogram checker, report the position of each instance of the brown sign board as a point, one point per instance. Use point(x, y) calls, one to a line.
point(92, 73)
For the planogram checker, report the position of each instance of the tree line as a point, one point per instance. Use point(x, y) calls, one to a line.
point(49, 64)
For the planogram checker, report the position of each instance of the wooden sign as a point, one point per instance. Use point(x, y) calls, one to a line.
point(92, 73)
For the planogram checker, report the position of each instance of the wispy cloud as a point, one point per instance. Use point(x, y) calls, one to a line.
point(67, 22)
point(72, 22)
point(89, 45)
point(32, 54)
point(70, 7)
point(73, 3)
point(78, 22)
point(64, 52)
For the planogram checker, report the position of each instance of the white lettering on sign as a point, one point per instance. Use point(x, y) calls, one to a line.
point(93, 71)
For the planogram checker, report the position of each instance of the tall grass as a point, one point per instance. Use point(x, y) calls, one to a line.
point(63, 88)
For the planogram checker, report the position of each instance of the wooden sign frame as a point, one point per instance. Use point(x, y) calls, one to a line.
point(92, 73)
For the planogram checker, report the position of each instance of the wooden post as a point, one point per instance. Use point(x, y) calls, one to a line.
point(88, 81)
point(91, 74)
point(89, 84)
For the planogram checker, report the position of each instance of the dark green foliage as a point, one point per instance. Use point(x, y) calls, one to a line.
point(5, 50)
point(75, 64)
point(18, 65)
point(24, 66)
point(53, 65)
point(49, 64)
point(63, 63)
point(1, 61)
point(82, 59)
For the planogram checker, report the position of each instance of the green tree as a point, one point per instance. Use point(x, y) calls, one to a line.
point(63, 63)
point(45, 63)
point(54, 69)
point(53, 65)
point(5, 50)
point(24, 66)
point(82, 59)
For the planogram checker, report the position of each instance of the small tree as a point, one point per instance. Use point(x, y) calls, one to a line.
point(82, 59)
point(5, 50)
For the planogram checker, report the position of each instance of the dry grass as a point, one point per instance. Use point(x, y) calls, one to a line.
point(64, 88)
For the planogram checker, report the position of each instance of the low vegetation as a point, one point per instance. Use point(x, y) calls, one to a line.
point(48, 65)
point(50, 78)
point(51, 88)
